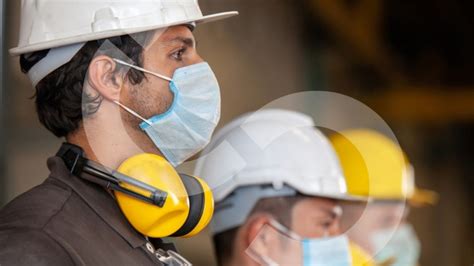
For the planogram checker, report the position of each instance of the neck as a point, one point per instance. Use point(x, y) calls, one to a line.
point(107, 139)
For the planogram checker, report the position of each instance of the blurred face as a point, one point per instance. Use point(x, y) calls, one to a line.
point(361, 222)
point(315, 218)
point(311, 218)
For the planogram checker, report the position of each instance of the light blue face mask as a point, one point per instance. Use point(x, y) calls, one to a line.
point(187, 126)
point(401, 244)
point(326, 251)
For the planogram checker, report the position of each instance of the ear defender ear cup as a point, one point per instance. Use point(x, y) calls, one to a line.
point(148, 219)
point(188, 207)
point(201, 206)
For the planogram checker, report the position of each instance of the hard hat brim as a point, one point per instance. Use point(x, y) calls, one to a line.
point(112, 33)
point(342, 197)
point(423, 197)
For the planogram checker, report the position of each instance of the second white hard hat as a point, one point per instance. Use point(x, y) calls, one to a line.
point(276, 147)
point(269, 153)
point(47, 24)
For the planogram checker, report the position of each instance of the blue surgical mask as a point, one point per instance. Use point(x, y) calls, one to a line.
point(187, 126)
point(401, 245)
point(326, 251)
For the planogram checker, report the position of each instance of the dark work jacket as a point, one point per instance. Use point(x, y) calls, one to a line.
point(69, 221)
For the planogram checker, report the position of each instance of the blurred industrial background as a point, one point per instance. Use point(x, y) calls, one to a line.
point(411, 61)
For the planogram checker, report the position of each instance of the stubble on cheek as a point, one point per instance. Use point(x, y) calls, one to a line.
point(148, 101)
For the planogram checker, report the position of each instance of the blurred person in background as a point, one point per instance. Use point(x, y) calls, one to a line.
point(278, 185)
point(104, 71)
point(376, 167)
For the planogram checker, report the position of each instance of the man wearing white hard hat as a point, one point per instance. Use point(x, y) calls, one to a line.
point(115, 79)
point(277, 184)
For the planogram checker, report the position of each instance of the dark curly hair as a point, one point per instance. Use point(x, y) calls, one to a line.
point(60, 103)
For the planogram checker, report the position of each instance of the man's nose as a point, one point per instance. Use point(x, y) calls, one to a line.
point(196, 59)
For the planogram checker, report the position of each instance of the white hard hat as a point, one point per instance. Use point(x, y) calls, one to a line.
point(273, 147)
point(47, 24)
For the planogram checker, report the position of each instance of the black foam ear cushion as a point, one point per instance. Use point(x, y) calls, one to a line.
point(196, 204)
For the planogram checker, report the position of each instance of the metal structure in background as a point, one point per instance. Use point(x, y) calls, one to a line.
point(2, 85)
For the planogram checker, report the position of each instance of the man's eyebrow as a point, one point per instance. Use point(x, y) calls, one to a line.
point(184, 40)
point(332, 212)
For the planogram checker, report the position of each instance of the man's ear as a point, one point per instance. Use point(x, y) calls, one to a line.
point(258, 235)
point(103, 77)
point(255, 225)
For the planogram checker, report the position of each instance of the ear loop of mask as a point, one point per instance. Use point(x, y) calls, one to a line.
point(142, 69)
point(263, 259)
point(118, 61)
point(268, 261)
point(132, 112)
point(282, 229)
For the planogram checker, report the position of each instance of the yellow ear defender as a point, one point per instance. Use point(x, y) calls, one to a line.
point(155, 199)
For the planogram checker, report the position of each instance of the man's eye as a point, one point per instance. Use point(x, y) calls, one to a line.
point(178, 55)
point(326, 224)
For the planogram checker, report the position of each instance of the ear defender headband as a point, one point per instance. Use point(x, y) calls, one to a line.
point(154, 198)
